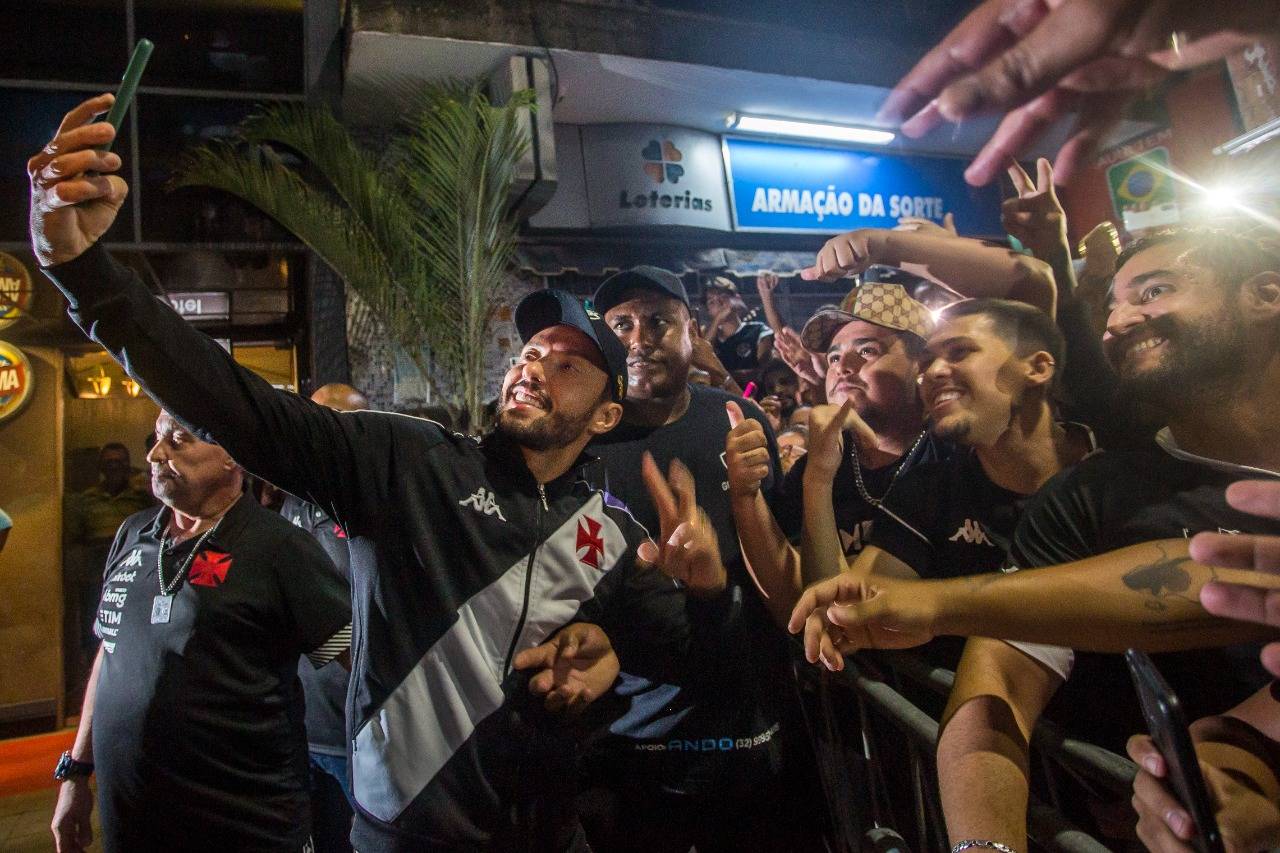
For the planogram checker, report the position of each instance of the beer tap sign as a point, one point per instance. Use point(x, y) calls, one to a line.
point(16, 381)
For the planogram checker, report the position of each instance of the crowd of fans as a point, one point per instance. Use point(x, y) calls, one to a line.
point(579, 632)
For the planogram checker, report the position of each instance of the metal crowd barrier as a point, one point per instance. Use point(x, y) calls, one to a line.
point(1046, 826)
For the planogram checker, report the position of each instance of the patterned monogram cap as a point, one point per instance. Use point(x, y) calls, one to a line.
point(882, 303)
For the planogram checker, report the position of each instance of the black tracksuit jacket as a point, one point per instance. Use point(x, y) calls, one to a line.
point(458, 560)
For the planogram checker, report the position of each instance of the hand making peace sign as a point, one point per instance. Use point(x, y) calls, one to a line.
point(689, 550)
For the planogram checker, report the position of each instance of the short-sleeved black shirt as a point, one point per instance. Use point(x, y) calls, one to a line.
point(697, 439)
point(741, 350)
point(197, 722)
point(855, 518)
point(721, 735)
point(952, 520)
point(1120, 498)
point(325, 688)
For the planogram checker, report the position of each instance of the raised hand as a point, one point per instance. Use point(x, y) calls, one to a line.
point(1035, 216)
point(845, 254)
point(827, 425)
point(575, 667)
point(704, 356)
point(826, 441)
point(772, 408)
point(800, 360)
point(690, 551)
point(1040, 60)
point(766, 284)
point(746, 453)
point(74, 195)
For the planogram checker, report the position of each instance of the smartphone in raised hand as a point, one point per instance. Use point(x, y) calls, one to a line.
point(128, 86)
point(1168, 727)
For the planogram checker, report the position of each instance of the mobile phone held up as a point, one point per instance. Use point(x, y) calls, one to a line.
point(1168, 727)
point(128, 86)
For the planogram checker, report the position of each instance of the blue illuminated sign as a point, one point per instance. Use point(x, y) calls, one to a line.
point(780, 186)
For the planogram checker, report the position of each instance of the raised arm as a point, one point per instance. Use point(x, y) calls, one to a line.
point(773, 562)
point(1036, 218)
point(339, 461)
point(766, 286)
point(968, 267)
point(821, 553)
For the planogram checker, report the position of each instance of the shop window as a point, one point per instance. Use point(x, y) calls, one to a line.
point(216, 287)
point(36, 33)
point(235, 45)
point(169, 127)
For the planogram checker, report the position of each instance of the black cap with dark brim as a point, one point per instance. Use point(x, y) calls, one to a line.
point(644, 277)
point(543, 309)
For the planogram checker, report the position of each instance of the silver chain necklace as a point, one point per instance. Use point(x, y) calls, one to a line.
point(167, 589)
point(857, 470)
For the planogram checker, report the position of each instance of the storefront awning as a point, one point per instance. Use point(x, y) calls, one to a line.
point(550, 259)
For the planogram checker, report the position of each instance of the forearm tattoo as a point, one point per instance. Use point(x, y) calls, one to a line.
point(1160, 580)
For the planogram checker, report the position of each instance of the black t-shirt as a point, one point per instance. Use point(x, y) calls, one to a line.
point(741, 350)
point(697, 439)
point(952, 520)
point(325, 688)
point(197, 722)
point(721, 733)
point(855, 518)
point(1112, 500)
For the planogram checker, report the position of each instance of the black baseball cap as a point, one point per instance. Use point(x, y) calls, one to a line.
point(545, 308)
point(644, 277)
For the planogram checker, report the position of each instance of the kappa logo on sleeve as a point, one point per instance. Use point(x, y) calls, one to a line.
point(134, 559)
point(210, 568)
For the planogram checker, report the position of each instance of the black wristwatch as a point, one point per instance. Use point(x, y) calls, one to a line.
point(68, 768)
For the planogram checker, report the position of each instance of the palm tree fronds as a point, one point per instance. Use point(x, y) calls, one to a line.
point(423, 233)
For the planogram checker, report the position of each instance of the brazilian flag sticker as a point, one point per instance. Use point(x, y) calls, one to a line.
point(1142, 183)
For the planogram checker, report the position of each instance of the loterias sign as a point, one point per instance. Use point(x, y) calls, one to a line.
point(783, 186)
point(638, 175)
point(16, 381)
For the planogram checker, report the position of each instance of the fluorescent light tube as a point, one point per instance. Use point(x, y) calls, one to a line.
point(809, 129)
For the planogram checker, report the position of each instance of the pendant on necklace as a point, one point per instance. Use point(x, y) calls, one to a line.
point(161, 606)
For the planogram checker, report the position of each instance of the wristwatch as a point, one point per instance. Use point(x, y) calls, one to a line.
point(68, 768)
